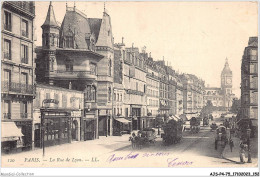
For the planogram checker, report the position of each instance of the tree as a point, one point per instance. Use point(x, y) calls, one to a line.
point(208, 109)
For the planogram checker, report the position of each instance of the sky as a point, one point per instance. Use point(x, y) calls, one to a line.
point(193, 37)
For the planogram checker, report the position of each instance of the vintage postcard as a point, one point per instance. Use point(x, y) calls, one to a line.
point(129, 84)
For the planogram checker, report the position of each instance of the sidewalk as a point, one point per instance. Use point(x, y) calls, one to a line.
point(234, 155)
point(104, 144)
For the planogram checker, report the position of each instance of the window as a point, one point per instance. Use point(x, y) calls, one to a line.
point(64, 101)
point(24, 113)
point(114, 111)
point(117, 97)
point(69, 43)
point(91, 93)
point(7, 21)
point(137, 86)
point(121, 97)
point(7, 49)
point(126, 112)
point(56, 97)
point(24, 50)
point(7, 109)
point(69, 66)
point(7, 77)
point(93, 68)
point(24, 28)
point(24, 82)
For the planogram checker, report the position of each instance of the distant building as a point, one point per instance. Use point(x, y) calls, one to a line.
point(221, 97)
point(17, 71)
point(193, 89)
point(152, 90)
point(249, 80)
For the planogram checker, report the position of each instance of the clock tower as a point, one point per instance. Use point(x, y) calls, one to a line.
point(226, 85)
point(226, 79)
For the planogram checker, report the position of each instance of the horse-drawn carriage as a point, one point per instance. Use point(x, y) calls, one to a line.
point(223, 137)
point(172, 131)
point(194, 125)
point(139, 138)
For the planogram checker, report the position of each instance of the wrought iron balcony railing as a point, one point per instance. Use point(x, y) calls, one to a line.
point(8, 27)
point(24, 33)
point(7, 115)
point(7, 55)
point(24, 115)
point(17, 87)
point(25, 60)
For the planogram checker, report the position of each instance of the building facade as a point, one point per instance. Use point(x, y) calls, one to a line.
point(17, 72)
point(193, 90)
point(221, 97)
point(63, 118)
point(152, 91)
point(134, 81)
point(249, 80)
point(78, 55)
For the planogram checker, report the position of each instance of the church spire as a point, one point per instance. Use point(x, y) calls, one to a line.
point(50, 18)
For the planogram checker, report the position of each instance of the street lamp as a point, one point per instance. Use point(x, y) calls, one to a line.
point(248, 132)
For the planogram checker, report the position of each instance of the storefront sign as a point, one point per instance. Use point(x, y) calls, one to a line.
point(50, 101)
point(75, 113)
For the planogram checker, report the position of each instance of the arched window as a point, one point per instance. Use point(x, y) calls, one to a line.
point(90, 93)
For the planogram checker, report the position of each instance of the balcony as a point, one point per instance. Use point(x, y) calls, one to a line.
point(24, 115)
point(72, 74)
point(7, 55)
point(24, 60)
point(25, 33)
point(8, 27)
point(7, 115)
point(17, 87)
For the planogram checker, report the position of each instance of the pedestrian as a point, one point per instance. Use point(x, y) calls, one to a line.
point(243, 148)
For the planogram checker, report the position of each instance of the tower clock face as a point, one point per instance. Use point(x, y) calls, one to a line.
point(229, 81)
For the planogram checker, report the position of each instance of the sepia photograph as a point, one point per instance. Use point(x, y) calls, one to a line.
point(163, 84)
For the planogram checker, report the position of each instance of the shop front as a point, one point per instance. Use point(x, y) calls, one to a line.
point(60, 126)
point(121, 126)
point(89, 127)
point(15, 138)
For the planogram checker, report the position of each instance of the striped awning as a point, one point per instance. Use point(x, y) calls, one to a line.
point(123, 120)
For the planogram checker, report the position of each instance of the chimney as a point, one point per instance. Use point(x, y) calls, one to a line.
point(122, 40)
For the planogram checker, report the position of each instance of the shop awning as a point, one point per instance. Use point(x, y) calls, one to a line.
point(123, 120)
point(10, 132)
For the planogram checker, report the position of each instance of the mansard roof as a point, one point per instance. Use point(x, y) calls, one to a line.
point(76, 24)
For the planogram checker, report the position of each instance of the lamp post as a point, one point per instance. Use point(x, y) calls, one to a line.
point(248, 132)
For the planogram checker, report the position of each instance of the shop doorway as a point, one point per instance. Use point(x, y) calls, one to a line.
point(74, 130)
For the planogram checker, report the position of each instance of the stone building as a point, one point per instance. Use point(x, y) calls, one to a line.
point(249, 80)
point(179, 96)
point(17, 71)
point(63, 120)
point(152, 90)
point(134, 81)
point(164, 89)
point(79, 55)
point(193, 89)
point(221, 97)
